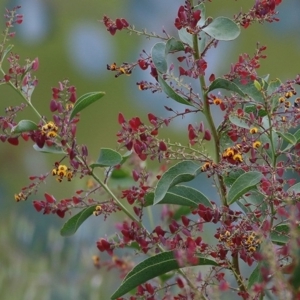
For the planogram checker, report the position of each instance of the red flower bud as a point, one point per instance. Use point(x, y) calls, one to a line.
point(162, 146)
point(49, 198)
point(13, 141)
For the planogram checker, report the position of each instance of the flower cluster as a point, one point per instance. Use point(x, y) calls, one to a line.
point(262, 11)
point(246, 68)
point(141, 138)
point(251, 158)
point(61, 171)
point(188, 18)
point(113, 26)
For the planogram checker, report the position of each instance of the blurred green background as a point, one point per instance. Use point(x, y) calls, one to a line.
point(70, 42)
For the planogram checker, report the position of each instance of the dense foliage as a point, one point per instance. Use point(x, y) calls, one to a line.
point(250, 152)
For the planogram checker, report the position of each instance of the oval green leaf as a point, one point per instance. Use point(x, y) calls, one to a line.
point(279, 234)
point(187, 38)
point(181, 195)
point(221, 83)
point(84, 101)
point(171, 93)
point(273, 86)
point(297, 135)
point(108, 158)
point(158, 54)
point(152, 267)
point(120, 174)
point(49, 149)
point(24, 126)
point(201, 7)
point(173, 45)
point(242, 185)
point(250, 90)
point(222, 29)
point(288, 137)
point(236, 120)
point(233, 176)
point(295, 188)
point(182, 172)
point(71, 226)
point(256, 276)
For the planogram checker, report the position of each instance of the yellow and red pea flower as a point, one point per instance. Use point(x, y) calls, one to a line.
point(253, 130)
point(206, 166)
point(97, 210)
point(217, 101)
point(233, 154)
point(256, 144)
point(49, 129)
point(20, 197)
point(62, 171)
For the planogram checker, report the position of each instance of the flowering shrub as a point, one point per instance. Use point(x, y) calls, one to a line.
point(254, 164)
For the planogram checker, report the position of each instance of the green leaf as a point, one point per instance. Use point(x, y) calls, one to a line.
point(294, 188)
point(125, 156)
point(49, 149)
point(279, 234)
point(182, 172)
point(256, 276)
point(187, 38)
point(201, 7)
point(158, 54)
point(181, 211)
point(6, 51)
point(250, 90)
point(150, 268)
point(288, 137)
point(234, 119)
point(257, 85)
point(24, 126)
point(107, 158)
point(257, 199)
point(221, 83)
point(71, 226)
point(222, 29)
point(242, 185)
point(273, 86)
point(297, 135)
point(294, 280)
point(242, 206)
point(264, 138)
point(262, 113)
point(233, 176)
point(173, 45)
point(170, 92)
point(120, 174)
point(202, 41)
point(250, 108)
point(84, 101)
point(181, 195)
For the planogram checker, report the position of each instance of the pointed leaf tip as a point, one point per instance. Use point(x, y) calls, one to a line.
point(84, 101)
point(107, 158)
point(71, 226)
point(152, 267)
point(222, 29)
point(158, 53)
point(182, 172)
point(242, 185)
point(24, 126)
